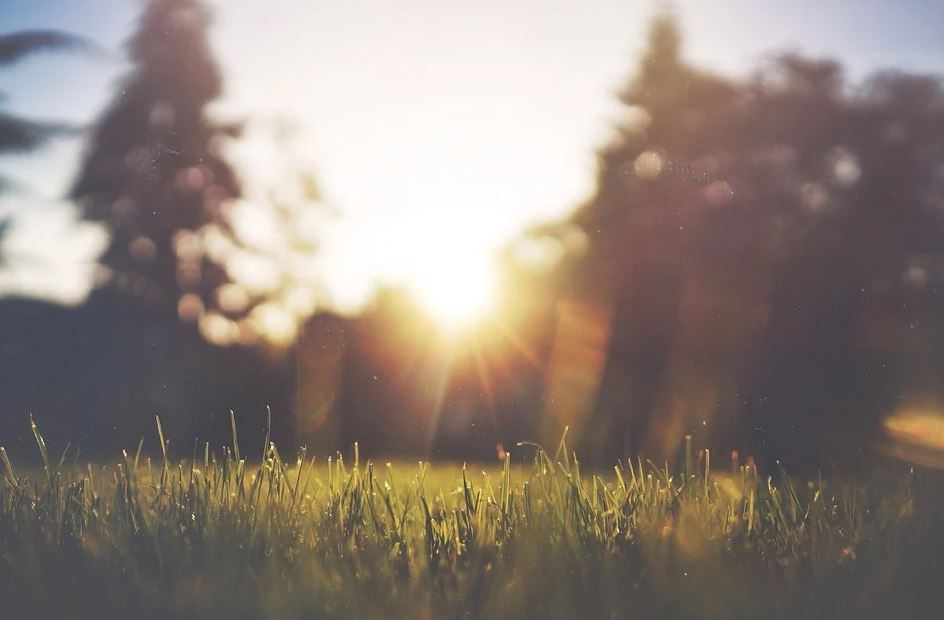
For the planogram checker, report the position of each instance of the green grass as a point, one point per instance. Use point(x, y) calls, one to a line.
point(328, 538)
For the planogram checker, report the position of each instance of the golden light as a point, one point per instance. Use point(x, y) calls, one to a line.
point(217, 329)
point(456, 291)
point(919, 427)
point(916, 435)
point(276, 325)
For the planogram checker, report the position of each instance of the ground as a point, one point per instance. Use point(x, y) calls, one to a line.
point(229, 534)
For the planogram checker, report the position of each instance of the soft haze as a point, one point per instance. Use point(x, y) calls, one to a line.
point(473, 120)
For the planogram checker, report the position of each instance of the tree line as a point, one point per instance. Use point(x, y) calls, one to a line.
point(761, 264)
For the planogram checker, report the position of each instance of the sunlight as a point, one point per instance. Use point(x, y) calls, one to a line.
point(456, 291)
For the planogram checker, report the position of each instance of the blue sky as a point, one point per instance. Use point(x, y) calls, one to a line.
point(477, 118)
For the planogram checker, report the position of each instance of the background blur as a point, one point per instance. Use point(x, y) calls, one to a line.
point(441, 228)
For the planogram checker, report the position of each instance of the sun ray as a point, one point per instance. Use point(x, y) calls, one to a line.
point(442, 387)
point(519, 345)
point(481, 370)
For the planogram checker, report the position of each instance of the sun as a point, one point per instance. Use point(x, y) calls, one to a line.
point(456, 290)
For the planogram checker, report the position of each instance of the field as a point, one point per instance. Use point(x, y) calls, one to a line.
point(313, 537)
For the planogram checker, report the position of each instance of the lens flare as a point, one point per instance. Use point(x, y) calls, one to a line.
point(916, 435)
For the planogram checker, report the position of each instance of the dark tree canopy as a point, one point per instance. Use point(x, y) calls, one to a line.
point(152, 176)
point(772, 253)
point(152, 173)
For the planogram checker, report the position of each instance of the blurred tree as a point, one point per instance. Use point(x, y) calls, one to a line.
point(153, 174)
point(189, 236)
point(855, 332)
point(638, 224)
point(771, 252)
point(155, 177)
point(19, 134)
point(16, 133)
point(266, 242)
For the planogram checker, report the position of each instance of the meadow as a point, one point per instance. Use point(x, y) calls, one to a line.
point(234, 533)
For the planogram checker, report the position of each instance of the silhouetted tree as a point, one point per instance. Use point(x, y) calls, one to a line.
point(17, 133)
point(854, 331)
point(153, 173)
point(639, 226)
point(771, 254)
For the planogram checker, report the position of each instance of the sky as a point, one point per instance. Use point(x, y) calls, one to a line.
point(435, 128)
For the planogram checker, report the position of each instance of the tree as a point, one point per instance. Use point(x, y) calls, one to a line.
point(16, 133)
point(769, 253)
point(19, 134)
point(189, 237)
point(639, 225)
point(153, 174)
point(266, 242)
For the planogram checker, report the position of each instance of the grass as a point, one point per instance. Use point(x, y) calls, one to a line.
point(313, 537)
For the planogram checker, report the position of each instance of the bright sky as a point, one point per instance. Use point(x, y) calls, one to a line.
point(438, 129)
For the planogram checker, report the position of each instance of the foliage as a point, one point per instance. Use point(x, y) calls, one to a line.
point(19, 134)
point(152, 173)
point(218, 537)
point(191, 237)
point(770, 252)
